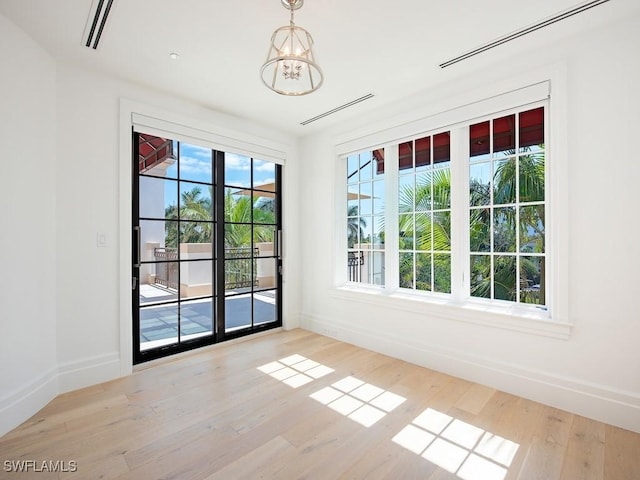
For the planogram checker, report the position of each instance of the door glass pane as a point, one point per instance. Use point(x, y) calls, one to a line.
point(237, 170)
point(196, 318)
point(196, 279)
point(195, 201)
point(158, 198)
point(480, 184)
point(158, 325)
point(532, 179)
point(238, 311)
point(195, 163)
point(504, 135)
point(264, 307)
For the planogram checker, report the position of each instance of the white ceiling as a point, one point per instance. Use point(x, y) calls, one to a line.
point(390, 49)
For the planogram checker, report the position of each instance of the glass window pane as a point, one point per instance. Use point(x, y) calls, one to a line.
point(353, 203)
point(504, 278)
point(377, 268)
point(158, 198)
point(196, 279)
point(355, 262)
point(158, 326)
point(405, 154)
point(480, 184)
point(532, 278)
point(406, 269)
point(531, 129)
point(479, 144)
point(406, 193)
point(504, 135)
point(406, 229)
point(441, 148)
point(532, 229)
point(353, 167)
point(480, 276)
point(196, 240)
point(480, 230)
point(264, 307)
point(424, 240)
point(366, 232)
point(423, 152)
point(264, 174)
point(442, 189)
point(366, 166)
point(378, 232)
point(196, 318)
point(442, 273)
point(237, 170)
point(378, 197)
point(423, 192)
point(504, 181)
point(504, 230)
point(354, 230)
point(532, 177)
point(195, 163)
point(423, 271)
point(442, 231)
point(366, 200)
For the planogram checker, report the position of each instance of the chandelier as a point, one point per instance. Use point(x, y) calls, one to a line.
point(291, 68)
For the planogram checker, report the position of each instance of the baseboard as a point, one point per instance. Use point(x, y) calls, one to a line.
point(19, 405)
point(24, 402)
point(88, 371)
point(599, 402)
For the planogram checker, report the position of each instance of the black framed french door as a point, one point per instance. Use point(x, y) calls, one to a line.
point(206, 236)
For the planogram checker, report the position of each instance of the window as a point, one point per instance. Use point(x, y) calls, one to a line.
point(365, 218)
point(507, 208)
point(469, 200)
point(424, 213)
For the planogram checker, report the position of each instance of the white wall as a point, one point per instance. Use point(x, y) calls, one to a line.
point(28, 229)
point(596, 371)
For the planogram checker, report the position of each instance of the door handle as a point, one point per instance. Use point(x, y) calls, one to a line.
point(136, 263)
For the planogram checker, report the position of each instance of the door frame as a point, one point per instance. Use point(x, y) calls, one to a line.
point(222, 129)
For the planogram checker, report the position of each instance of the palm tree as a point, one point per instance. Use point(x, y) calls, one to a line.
point(355, 226)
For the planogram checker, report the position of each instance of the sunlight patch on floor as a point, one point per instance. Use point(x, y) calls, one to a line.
point(360, 401)
point(295, 370)
point(458, 447)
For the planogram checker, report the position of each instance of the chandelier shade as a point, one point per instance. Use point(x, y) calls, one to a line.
point(290, 68)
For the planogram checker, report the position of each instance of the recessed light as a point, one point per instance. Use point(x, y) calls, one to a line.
point(174, 56)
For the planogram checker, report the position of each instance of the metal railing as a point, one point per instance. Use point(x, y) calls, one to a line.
point(355, 260)
point(240, 268)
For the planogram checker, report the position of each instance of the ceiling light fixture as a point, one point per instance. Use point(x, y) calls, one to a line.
point(291, 68)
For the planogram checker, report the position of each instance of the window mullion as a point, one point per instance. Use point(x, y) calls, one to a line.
point(459, 214)
point(392, 243)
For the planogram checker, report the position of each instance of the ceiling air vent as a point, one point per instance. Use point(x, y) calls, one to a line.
point(512, 36)
point(100, 10)
point(337, 109)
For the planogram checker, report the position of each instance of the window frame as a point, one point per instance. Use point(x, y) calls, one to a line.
point(460, 305)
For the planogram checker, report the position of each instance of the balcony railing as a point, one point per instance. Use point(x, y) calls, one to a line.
point(240, 270)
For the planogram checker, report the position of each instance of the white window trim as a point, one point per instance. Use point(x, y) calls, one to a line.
point(551, 323)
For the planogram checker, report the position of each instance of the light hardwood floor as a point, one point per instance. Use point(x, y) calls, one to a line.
point(245, 411)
